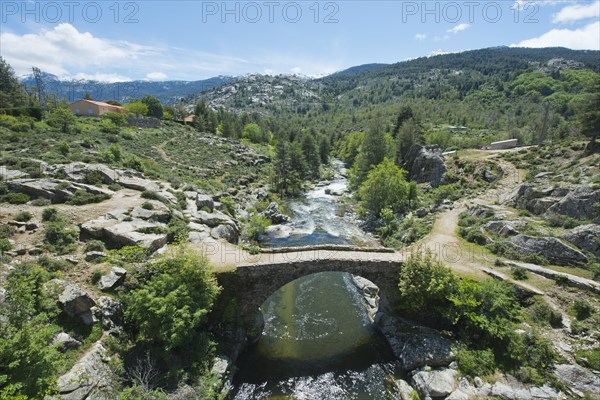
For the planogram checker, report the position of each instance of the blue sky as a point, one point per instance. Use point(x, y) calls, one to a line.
point(190, 40)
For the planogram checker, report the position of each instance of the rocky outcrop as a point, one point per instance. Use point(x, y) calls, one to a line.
point(550, 248)
point(578, 379)
point(117, 230)
point(414, 345)
point(228, 232)
point(425, 164)
point(205, 201)
point(533, 198)
point(55, 190)
point(272, 212)
point(110, 312)
point(586, 237)
point(504, 228)
point(113, 279)
point(63, 342)
point(579, 204)
point(71, 299)
point(370, 295)
point(435, 383)
point(91, 378)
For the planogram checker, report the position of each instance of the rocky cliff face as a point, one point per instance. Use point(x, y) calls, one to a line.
point(425, 165)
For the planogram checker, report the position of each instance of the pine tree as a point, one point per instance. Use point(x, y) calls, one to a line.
point(312, 156)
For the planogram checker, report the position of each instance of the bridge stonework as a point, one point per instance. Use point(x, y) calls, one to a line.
point(256, 282)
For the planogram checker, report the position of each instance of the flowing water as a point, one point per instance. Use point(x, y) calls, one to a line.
point(318, 342)
point(320, 217)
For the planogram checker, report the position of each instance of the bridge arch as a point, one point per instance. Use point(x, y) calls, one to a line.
point(256, 282)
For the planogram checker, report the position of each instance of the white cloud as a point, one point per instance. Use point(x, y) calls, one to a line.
point(585, 38)
point(156, 76)
point(420, 36)
point(63, 48)
point(577, 12)
point(296, 70)
point(460, 28)
point(66, 52)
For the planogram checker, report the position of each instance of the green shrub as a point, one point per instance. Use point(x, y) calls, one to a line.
point(52, 264)
point(543, 314)
point(59, 238)
point(169, 308)
point(115, 187)
point(591, 358)
point(97, 275)
point(475, 362)
point(255, 227)
point(81, 197)
point(229, 206)
point(519, 273)
point(23, 216)
point(95, 245)
point(50, 214)
point(147, 206)
point(177, 230)
point(17, 198)
point(93, 178)
point(5, 245)
point(582, 309)
point(473, 235)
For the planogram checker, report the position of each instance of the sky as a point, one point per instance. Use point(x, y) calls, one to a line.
point(191, 40)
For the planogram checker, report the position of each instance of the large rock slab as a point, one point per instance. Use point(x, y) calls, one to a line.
point(227, 232)
point(137, 232)
point(55, 190)
point(425, 164)
point(113, 279)
point(213, 219)
point(205, 201)
point(413, 345)
point(579, 204)
point(551, 248)
point(435, 383)
point(578, 378)
point(140, 184)
point(586, 237)
point(73, 300)
point(272, 212)
point(90, 379)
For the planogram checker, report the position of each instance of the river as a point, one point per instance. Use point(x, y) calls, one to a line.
point(318, 341)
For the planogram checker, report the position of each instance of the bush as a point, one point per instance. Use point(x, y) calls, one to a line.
point(81, 197)
point(17, 198)
point(426, 285)
point(23, 216)
point(177, 230)
point(52, 264)
point(519, 273)
point(50, 214)
point(582, 309)
point(147, 206)
point(255, 227)
point(97, 275)
point(95, 245)
point(93, 178)
point(473, 235)
point(591, 358)
point(475, 362)
point(543, 314)
point(169, 308)
point(59, 238)
point(5, 245)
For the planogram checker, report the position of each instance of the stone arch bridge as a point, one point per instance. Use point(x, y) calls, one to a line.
point(253, 281)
